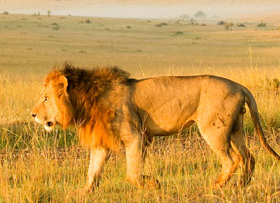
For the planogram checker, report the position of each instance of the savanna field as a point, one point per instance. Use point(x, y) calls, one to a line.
point(36, 166)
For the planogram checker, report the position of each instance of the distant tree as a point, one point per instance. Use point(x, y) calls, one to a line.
point(49, 13)
point(5, 13)
point(192, 21)
point(184, 17)
point(200, 15)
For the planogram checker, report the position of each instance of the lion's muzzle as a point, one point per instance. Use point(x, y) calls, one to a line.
point(48, 125)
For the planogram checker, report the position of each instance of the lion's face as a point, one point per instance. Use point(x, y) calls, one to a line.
point(53, 106)
point(46, 111)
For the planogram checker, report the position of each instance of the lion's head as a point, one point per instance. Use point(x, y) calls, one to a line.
point(54, 106)
point(89, 99)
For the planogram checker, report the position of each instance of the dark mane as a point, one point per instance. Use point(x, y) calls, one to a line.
point(87, 86)
point(97, 79)
point(95, 95)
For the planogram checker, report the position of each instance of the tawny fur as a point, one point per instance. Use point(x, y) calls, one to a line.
point(109, 109)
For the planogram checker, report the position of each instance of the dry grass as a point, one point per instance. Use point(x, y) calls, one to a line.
point(36, 166)
point(41, 167)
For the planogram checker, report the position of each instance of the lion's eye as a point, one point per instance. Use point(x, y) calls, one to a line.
point(46, 99)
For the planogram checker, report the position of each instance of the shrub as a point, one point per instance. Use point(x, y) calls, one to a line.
point(241, 25)
point(88, 21)
point(262, 24)
point(161, 24)
point(221, 23)
point(179, 33)
point(56, 26)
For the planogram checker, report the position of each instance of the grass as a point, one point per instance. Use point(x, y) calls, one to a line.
point(217, 47)
point(36, 166)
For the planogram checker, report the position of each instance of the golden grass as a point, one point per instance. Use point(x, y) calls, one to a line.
point(40, 167)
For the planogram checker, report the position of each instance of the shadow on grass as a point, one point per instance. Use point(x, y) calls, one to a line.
point(25, 135)
point(24, 141)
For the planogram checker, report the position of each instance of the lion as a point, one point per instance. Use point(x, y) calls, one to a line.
point(111, 110)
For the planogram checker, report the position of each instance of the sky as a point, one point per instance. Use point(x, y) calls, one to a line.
point(143, 8)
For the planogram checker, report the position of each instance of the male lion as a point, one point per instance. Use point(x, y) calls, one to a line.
point(110, 110)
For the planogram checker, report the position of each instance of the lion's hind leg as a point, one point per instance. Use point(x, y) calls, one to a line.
point(218, 140)
point(247, 161)
point(230, 162)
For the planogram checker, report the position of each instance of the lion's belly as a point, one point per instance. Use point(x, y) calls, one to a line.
point(166, 128)
point(169, 118)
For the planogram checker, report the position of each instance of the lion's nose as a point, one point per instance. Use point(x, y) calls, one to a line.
point(33, 115)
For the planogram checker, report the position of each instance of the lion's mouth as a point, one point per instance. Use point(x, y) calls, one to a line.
point(49, 126)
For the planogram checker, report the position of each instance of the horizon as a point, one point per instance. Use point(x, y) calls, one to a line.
point(135, 10)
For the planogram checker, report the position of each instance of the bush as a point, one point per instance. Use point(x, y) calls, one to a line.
point(262, 24)
point(241, 25)
point(221, 23)
point(5, 13)
point(161, 24)
point(178, 33)
point(88, 21)
point(55, 26)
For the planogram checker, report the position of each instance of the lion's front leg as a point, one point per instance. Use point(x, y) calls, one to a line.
point(134, 161)
point(97, 159)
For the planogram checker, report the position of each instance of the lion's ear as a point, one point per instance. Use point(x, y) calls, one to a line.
point(63, 82)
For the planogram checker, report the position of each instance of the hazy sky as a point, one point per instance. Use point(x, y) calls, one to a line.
point(143, 8)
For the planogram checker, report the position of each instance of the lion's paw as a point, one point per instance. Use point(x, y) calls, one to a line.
point(149, 182)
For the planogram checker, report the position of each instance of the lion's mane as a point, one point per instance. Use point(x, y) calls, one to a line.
point(93, 97)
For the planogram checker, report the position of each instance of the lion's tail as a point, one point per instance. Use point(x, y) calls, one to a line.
point(256, 120)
